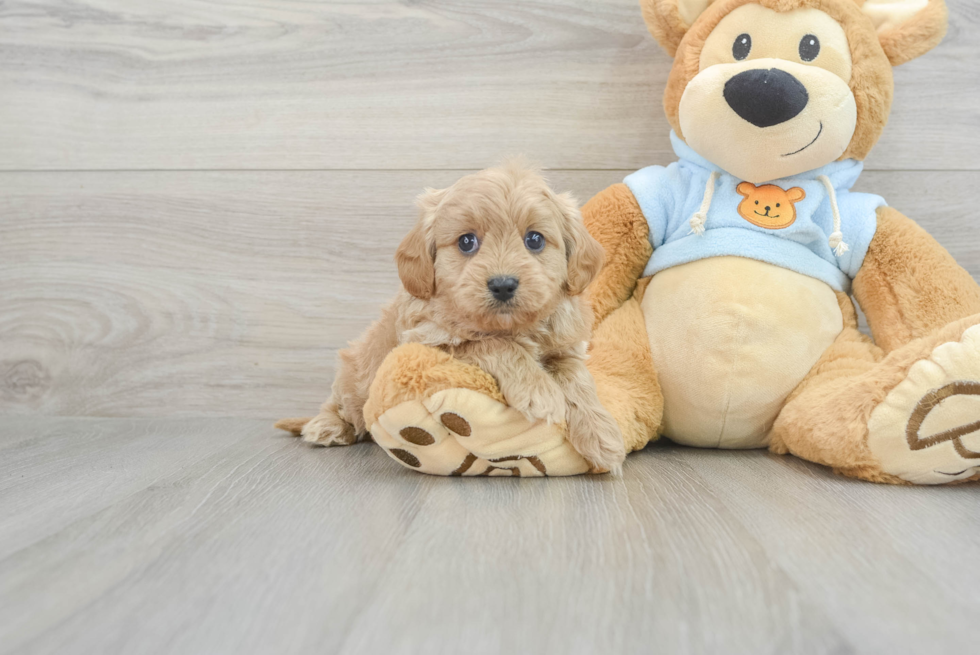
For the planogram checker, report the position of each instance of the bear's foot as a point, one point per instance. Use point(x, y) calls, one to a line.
point(461, 432)
point(927, 430)
point(436, 415)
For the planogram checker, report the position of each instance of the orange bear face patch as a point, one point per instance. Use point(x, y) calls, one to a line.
point(768, 205)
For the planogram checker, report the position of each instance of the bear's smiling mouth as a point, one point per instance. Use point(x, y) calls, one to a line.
point(819, 132)
point(767, 214)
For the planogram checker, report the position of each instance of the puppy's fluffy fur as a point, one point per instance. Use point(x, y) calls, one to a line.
point(534, 344)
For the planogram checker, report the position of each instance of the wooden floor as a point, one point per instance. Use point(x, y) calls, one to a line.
point(222, 536)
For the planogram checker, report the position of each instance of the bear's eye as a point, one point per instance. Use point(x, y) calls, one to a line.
point(742, 46)
point(777, 204)
point(757, 202)
point(809, 47)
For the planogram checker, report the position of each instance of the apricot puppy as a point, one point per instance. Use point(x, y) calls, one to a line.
point(493, 273)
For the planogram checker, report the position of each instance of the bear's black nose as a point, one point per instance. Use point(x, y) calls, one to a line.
point(766, 97)
point(502, 288)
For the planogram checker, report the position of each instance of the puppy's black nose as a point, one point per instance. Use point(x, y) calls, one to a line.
point(766, 97)
point(503, 288)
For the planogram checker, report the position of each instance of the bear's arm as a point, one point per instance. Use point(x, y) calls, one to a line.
point(909, 285)
point(614, 218)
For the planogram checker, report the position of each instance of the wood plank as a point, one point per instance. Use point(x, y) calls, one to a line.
point(228, 294)
point(896, 567)
point(103, 84)
point(238, 551)
point(278, 547)
point(589, 565)
point(85, 465)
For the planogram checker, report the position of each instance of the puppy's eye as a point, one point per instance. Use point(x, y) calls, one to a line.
point(809, 47)
point(533, 241)
point(468, 243)
point(742, 47)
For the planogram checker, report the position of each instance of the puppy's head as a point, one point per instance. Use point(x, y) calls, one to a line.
point(498, 250)
point(767, 89)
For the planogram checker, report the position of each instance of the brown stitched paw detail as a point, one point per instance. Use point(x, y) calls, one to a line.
point(456, 423)
point(406, 457)
point(932, 401)
point(514, 472)
point(531, 459)
point(926, 430)
point(417, 436)
point(465, 466)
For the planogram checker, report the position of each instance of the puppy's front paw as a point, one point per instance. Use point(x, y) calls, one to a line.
point(538, 401)
point(594, 433)
point(329, 429)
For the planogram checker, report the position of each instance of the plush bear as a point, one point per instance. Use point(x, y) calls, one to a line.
point(724, 312)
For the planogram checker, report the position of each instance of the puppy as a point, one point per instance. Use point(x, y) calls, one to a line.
point(493, 273)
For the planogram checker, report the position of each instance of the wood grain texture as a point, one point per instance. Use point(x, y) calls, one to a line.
point(228, 294)
point(875, 544)
point(86, 465)
point(189, 84)
point(254, 543)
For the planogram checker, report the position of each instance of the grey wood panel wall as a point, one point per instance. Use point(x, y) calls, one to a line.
point(199, 201)
point(185, 84)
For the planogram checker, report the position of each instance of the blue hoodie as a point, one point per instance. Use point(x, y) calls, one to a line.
point(670, 196)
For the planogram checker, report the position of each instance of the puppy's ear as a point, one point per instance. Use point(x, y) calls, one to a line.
point(416, 254)
point(585, 255)
point(907, 28)
point(669, 20)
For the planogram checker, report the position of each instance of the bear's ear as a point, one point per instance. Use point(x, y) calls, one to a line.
point(669, 20)
point(907, 28)
point(795, 194)
point(745, 189)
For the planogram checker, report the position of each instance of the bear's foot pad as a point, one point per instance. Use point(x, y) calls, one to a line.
point(461, 432)
point(927, 430)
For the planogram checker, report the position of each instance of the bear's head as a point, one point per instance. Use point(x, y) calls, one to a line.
point(766, 89)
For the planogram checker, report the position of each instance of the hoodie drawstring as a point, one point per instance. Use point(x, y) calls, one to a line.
point(701, 216)
point(836, 239)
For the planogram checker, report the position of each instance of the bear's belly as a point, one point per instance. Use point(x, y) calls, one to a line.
point(731, 338)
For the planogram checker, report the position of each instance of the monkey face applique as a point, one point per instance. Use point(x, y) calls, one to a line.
point(768, 205)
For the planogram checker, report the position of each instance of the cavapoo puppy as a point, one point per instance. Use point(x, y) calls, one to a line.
point(493, 274)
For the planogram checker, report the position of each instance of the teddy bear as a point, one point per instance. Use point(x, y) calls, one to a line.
point(724, 312)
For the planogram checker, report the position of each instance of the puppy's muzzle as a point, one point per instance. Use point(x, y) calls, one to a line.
point(503, 288)
point(766, 97)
